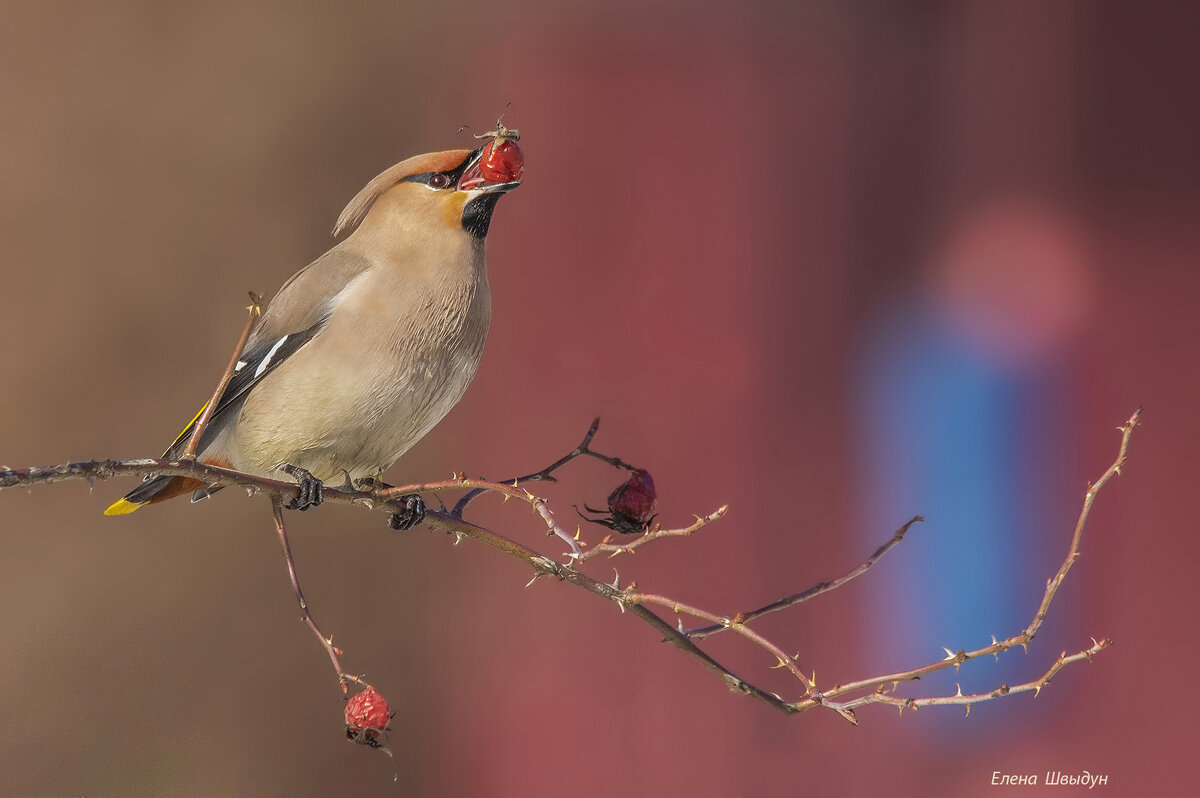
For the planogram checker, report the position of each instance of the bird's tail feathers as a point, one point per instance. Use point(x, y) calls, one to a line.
point(157, 489)
point(152, 491)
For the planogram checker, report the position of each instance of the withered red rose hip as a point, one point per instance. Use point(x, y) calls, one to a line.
point(634, 503)
point(367, 714)
point(632, 506)
point(502, 161)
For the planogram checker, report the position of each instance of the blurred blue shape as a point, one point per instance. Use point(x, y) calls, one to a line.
point(942, 430)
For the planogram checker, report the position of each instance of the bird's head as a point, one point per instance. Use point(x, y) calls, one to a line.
point(456, 189)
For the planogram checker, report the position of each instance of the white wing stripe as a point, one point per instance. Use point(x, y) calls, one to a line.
point(266, 361)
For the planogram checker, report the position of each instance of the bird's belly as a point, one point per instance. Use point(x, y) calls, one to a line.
point(355, 415)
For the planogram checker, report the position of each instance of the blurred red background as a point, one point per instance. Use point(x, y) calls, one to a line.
point(834, 264)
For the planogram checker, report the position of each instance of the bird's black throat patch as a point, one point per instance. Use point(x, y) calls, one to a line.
point(477, 215)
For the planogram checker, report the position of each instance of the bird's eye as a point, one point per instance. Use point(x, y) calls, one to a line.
point(439, 181)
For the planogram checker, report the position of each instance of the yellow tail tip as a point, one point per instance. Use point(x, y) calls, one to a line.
point(122, 507)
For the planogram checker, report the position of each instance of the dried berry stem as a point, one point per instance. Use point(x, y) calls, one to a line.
point(326, 642)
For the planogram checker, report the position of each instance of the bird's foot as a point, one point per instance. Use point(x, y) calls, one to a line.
point(312, 490)
point(413, 514)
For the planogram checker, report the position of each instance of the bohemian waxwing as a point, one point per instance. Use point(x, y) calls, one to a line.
point(365, 349)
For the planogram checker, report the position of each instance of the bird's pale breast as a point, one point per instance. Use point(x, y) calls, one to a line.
point(382, 389)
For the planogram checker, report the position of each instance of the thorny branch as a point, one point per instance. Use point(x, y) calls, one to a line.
point(843, 698)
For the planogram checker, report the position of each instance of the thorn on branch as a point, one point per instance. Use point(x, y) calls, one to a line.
point(735, 684)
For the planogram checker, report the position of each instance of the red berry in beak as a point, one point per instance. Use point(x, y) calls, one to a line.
point(502, 162)
point(367, 714)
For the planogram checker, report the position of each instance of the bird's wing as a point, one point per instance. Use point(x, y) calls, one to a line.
point(256, 362)
point(310, 295)
point(293, 318)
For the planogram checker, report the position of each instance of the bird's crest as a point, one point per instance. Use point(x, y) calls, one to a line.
point(358, 207)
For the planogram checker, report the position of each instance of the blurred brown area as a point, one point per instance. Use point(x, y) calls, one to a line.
point(718, 203)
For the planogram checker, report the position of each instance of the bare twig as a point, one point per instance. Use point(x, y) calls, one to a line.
point(546, 474)
point(255, 310)
point(736, 624)
point(815, 590)
point(326, 642)
point(605, 546)
point(883, 696)
point(1055, 581)
point(92, 470)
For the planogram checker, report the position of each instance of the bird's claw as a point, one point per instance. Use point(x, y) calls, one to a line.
point(312, 490)
point(413, 514)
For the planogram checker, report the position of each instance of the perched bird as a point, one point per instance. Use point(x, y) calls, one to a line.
point(365, 349)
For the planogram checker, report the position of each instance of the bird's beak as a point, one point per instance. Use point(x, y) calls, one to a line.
point(473, 180)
